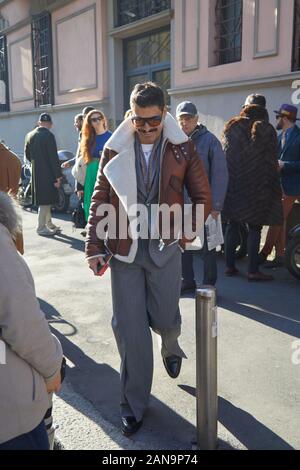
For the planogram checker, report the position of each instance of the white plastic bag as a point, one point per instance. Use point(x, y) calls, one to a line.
point(214, 232)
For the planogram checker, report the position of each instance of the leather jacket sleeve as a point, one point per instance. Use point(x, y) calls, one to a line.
point(93, 245)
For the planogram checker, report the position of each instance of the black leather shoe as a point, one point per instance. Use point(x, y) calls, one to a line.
point(172, 365)
point(130, 425)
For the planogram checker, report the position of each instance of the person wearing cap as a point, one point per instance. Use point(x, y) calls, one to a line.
point(210, 152)
point(254, 193)
point(289, 168)
point(41, 151)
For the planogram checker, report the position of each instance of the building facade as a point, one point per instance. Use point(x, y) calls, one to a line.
point(61, 55)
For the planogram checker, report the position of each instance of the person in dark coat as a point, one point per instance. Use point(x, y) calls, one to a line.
point(254, 192)
point(289, 167)
point(41, 151)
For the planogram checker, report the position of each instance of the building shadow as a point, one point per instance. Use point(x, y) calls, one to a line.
point(73, 243)
point(273, 304)
point(253, 434)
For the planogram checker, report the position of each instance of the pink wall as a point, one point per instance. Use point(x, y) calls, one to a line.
point(79, 47)
point(16, 11)
point(20, 69)
point(249, 67)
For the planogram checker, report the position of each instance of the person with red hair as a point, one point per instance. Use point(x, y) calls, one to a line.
point(95, 134)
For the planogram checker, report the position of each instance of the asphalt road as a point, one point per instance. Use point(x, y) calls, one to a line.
point(258, 383)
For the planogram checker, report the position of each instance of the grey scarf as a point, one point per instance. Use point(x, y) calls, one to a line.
point(149, 171)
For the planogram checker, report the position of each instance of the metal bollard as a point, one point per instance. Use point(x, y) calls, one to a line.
point(206, 365)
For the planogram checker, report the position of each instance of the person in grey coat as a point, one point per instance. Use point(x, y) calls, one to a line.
point(210, 152)
point(30, 356)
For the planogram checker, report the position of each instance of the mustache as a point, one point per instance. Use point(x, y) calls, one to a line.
point(142, 131)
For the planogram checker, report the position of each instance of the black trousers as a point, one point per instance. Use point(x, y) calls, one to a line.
point(253, 244)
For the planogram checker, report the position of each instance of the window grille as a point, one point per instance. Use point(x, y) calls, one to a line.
point(296, 41)
point(229, 26)
point(4, 87)
point(42, 59)
point(129, 11)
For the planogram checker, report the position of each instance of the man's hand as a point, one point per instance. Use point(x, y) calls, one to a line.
point(215, 214)
point(80, 194)
point(57, 183)
point(280, 165)
point(65, 165)
point(54, 385)
point(94, 262)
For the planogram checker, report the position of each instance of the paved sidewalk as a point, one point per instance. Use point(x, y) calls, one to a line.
point(258, 385)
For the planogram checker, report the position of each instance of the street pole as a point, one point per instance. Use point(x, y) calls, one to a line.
point(206, 365)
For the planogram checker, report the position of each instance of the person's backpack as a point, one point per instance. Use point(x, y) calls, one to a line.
point(78, 217)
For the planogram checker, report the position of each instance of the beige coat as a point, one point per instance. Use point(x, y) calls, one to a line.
point(32, 353)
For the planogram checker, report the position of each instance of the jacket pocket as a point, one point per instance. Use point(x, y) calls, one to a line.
point(175, 184)
point(39, 390)
point(33, 384)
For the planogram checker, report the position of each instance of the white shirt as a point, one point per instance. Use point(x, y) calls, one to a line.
point(147, 150)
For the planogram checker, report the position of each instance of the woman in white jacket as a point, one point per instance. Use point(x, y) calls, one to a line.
point(30, 356)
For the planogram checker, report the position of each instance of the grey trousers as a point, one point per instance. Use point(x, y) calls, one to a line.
point(144, 296)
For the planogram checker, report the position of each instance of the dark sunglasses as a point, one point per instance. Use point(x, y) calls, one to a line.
point(96, 119)
point(153, 121)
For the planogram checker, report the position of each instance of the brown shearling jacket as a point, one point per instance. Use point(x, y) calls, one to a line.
point(180, 167)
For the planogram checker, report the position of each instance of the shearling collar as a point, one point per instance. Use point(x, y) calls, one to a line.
point(123, 137)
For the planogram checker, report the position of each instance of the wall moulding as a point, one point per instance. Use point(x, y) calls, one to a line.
point(275, 49)
point(195, 66)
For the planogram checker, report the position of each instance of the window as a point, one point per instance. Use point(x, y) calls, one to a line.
point(4, 94)
point(42, 59)
point(296, 42)
point(148, 57)
point(128, 11)
point(229, 19)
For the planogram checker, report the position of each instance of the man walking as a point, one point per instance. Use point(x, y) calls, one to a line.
point(289, 168)
point(10, 173)
point(148, 160)
point(210, 151)
point(41, 151)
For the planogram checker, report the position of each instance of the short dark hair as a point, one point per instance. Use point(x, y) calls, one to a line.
point(87, 110)
point(147, 94)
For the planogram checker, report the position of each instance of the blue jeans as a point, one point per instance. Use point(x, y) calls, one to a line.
point(191, 264)
point(34, 440)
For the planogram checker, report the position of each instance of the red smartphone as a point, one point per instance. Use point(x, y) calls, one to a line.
point(101, 269)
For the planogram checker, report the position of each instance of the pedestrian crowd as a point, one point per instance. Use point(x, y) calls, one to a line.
point(251, 176)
